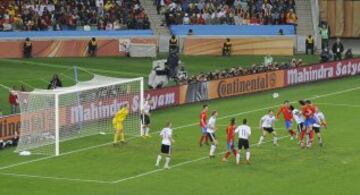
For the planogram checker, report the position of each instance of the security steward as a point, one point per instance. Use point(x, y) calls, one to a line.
point(309, 45)
point(173, 44)
point(27, 50)
point(227, 48)
point(92, 45)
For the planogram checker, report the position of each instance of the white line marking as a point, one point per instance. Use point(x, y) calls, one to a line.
point(155, 132)
point(343, 105)
point(177, 165)
point(56, 178)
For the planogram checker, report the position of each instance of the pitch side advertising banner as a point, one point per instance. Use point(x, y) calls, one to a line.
point(245, 84)
point(9, 127)
point(329, 70)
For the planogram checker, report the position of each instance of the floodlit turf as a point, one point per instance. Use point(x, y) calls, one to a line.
point(129, 169)
point(37, 72)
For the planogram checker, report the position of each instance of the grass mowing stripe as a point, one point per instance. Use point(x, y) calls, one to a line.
point(180, 127)
point(344, 105)
point(120, 180)
point(67, 67)
point(178, 165)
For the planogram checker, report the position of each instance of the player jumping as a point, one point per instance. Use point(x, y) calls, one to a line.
point(230, 134)
point(211, 129)
point(288, 118)
point(320, 122)
point(165, 150)
point(299, 119)
point(308, 110)
point(267, 123)
point(244, 132)
point(117, 121)
point(203, 122)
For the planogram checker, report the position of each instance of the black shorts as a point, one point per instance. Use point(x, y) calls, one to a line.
point(300, 126)
point(316, 129)
point(243, 143)
point(211, 136)
point(165, 149)
point(268, 129)
point(145, 119)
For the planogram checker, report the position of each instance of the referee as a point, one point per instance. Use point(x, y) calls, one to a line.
point(244, 132)
point(145, 118)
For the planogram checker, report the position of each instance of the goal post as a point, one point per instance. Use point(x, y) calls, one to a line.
point(52, 121)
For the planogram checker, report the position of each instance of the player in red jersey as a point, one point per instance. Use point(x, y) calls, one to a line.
point(308, 110)
point(203, 124)
point(312, 120)
point(288, 118)
point(230, 134)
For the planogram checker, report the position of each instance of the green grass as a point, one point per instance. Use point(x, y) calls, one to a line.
point(129, 169)
point(36, 73)
point(285, 169)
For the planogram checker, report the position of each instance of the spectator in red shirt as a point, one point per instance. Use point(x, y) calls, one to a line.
point(13, 101)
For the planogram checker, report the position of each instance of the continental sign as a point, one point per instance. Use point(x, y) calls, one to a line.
point(246, 84)
point(329, 70)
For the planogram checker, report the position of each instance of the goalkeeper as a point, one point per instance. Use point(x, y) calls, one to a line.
point(118, 121)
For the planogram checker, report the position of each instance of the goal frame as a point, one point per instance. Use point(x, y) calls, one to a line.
point(72, 89)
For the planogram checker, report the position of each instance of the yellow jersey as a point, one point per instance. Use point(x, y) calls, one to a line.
point(120, 117)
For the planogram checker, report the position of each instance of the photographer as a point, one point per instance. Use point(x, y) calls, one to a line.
point(92, 47)
point(27, 50)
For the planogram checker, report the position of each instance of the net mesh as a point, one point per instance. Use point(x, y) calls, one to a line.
point(84, 111)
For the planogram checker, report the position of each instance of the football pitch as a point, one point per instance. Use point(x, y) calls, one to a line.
point(93, 166)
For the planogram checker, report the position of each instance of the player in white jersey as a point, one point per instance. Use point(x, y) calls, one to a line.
point(320, 122)
point(244, 132)
point(211, 129)
point(299, 119)
point(166, 142)
point(267, 123)
point(145, 118)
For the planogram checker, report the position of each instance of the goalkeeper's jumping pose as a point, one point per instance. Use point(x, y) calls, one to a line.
point(117, 121)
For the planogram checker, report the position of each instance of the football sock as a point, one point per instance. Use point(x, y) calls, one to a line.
point(212, 150)
point(167, 161)
point(311, 135)
point(247, 155)
point(158, 160)
point(234, 152)
point(275, 140)
point(238, 157)
point(261, 139)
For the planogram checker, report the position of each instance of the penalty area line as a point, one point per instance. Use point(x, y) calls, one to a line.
point(56, 178)
point(178, 165)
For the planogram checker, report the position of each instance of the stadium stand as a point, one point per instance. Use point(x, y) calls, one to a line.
point(56, 15)
point(232, 12)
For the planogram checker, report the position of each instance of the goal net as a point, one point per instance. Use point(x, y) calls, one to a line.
point(53, 121)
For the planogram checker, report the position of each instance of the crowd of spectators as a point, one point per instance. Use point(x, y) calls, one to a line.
point(232, 12)
point(268, 65)
point(44, 15)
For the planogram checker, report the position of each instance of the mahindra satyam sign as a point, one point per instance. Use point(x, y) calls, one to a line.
point(246, 84)
point(323, 71)
point(106, 108)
